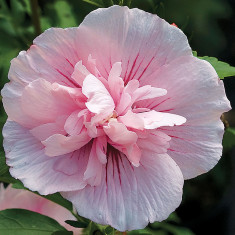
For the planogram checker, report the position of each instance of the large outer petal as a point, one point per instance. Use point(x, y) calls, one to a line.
point(141, 41)
point(44, 101)
point(11, 98)
point(194, 92)
point(130, 197)
point(27, 161)
point(52, 57)
point(39, 102)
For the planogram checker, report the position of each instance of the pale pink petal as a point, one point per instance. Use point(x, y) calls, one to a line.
point(22, 70)
point(80, 72)
point(201, 99)
point(181, 99)
point(44, 101)
point(95, 168)
point(142, 46)
point(131, 87)
point(91, 66)
point(156, 141)
point(11, 98)
point(132, 120)
point(126, 100)
point(64, 94)
point(147, 92)
point(44, 131)
point(133, 153)
point(119, 134)
point(196, 149)
point(74, 123)
point(99, 99)
point(124, 104)
point(115, 82)
point(130, 197)
point(39, 61)
point(140, 110)
point(153, 119)
point(58, 144)
point(101, 149)
point(60, 44)
point(28, 162)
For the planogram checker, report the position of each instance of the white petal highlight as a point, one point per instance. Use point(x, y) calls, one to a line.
point(99, 99)
point(153, 119)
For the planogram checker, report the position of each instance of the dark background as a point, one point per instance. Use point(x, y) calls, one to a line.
point(208, 205)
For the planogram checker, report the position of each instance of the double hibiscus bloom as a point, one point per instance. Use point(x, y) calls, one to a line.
point(114, 115)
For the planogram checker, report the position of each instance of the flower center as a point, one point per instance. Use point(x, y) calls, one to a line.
point(111, 116)
point(110, 113)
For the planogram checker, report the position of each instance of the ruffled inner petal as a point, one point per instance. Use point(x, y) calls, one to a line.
point(58, 144)
point(99, 99)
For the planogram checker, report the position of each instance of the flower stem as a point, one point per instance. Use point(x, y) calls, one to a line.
point(35, 17)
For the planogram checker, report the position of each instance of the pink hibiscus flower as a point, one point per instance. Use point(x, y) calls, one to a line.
point(23, 199)
point(114, 114)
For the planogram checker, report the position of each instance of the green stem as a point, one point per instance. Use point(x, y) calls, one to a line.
point(35, 17)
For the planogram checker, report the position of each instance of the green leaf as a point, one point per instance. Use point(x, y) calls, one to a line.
point(7, 178)
point(4, 171)
point(194, 53)
point(77, 224)
point(223, 69)
point(109, 230)
point(229, 138)
point(22, 222)
point(173, 217)
point(3, 166)
point(145, 231)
